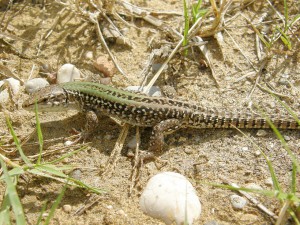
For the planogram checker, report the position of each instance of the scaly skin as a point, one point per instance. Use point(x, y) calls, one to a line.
point(163, 114)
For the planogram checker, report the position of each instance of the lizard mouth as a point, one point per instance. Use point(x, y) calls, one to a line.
point(48, 99)
point(49, 106)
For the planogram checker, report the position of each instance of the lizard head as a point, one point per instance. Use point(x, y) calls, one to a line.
point(50, 98)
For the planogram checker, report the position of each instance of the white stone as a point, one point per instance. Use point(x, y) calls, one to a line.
point(68, 143)
point(257, 153)
point(109, 207)
point(245, 148)
point(67, 72)
point(171, 198)
point(89, 55)
point(237, 201)
point(67, 208)
point(14, 84)
point(35, 84)
point(11, 85)
point(269, 182)
point(4, 97)
point(261, 133)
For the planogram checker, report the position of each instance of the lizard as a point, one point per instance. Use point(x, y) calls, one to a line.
point(164, 114)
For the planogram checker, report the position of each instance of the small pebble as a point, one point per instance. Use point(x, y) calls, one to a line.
point(68, 143)
point(67, 208)
point(105, 66)
point(67, 72)
point(287, 138)
point(272, 104)
point(245, 149)
point(121, 212)
point(257, 153)
point(237, 201)
point(35, 84)
point(171, 198)
point(284, 75)
point(76, 174)
point(261, 133)
point(154, 90)
point(284, 81)
point(269, 182)
point(109, 207)
point(89, 55)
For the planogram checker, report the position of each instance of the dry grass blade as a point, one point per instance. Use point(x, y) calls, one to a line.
point(116, 153)
point(253, 200)
point(140, 13)
point(283, 214)
point(94, 199)
point(12, 198)
point(134, 170)
point(94, 19)
point(179, 44)
point(206, 54)
point(6, 72)
point(13, 37)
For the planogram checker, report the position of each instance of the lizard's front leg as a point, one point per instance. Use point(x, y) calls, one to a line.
point(90, 126)
point(159, 130)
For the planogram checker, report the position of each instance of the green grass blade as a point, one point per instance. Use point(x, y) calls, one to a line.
point(4, 211)
point(294, 216)
point(269, 193)
point(287, 108)
point(186, 26)
point(285, 39)
point(14, 172)
point(294, 179)
point(4, 216)
point(295, 20)
point(17, 142)
point(55, 204)
point(284, 144)
point(68, 155)
point(83, 185)
point(74, 182)
point(197, 12)
point(39, 220)
point(51, 169)
point(270, 166)
point(13, 196)
point(42, 173)
point(39, 134)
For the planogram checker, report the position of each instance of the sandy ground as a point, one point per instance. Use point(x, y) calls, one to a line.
point(203, 156)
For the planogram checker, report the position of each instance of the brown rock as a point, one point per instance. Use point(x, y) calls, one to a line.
point(104, 65)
